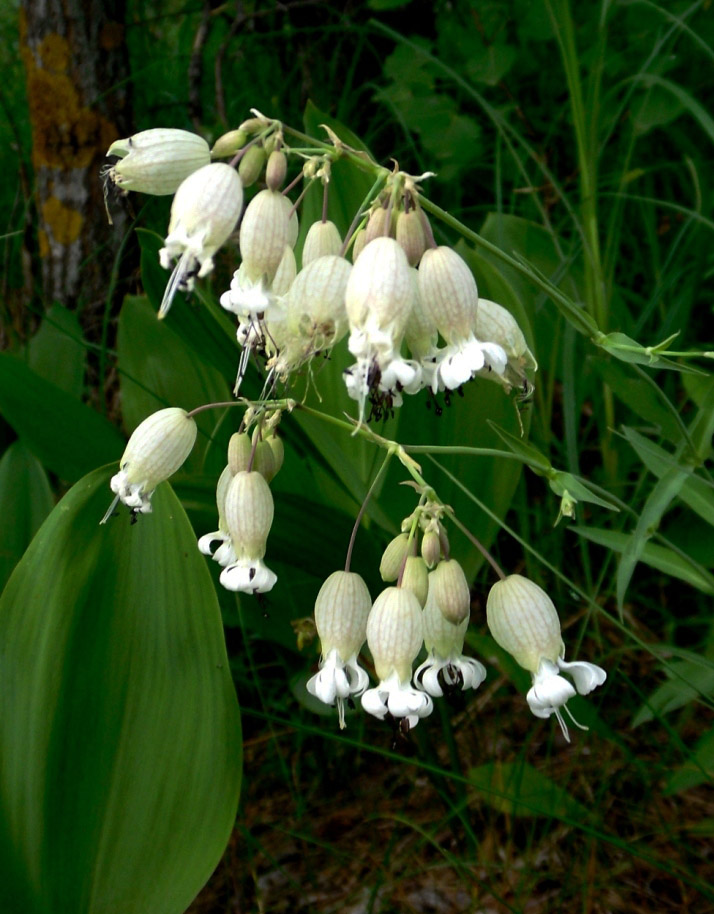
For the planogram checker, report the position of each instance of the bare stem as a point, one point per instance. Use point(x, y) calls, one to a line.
point(380, 473)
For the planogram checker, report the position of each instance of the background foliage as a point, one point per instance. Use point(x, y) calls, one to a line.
point(576, 139)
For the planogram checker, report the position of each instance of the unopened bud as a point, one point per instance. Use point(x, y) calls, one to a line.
point(393, 557)
point(240, 449)
point(451, 591)
point(251, 165)
point(228, 145)
point(276, 169)
point(264, 462)
point(254, 125)
point(377, 224)
point(415, 578)
point(278, 449)
point(410, 234)
point(358, 244)
point(431, 548)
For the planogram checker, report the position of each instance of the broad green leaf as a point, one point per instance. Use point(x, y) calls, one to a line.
point(158, 369)
point(119, 726)
point(684, 98)
point(688, 680)
point(25, 501)
point(56, 352)
point(203, 325)
point(66, 436)
point(519, 789)
point(659, 557)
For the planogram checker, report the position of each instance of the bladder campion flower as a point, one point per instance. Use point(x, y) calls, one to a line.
point(523, 621)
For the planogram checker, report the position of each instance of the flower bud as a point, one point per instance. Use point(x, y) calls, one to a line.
point(395, 632)
point(278, 449)
point(451, 591)
point(431, 548)
point(322, 238)
point(410, 235)
point(254, 125)
point(415, 578)
point(251, 164)
point(497, 325)
point(157, 161)
point(358, 244)
point(276, 169)
point(264, 461)
point(523, 621)
point(240, 450)
point(227, 146)
point(156, 449)
point(377, 224)
point(394, 556)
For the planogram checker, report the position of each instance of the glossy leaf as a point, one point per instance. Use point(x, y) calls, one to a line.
point(119, 726)
point(65, 435)
point(158, 369)
point(25, 501)
point(56, 351)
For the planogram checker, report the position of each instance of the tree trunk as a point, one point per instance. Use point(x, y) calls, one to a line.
point(77, 66)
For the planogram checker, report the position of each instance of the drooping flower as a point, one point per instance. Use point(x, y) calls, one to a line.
point(156, 449)
point(378, 300)
point(249, 517)
point(496, 323)
point(203, 214)
point(446, 666)
point(341, 612)
point(322, 238)
point(450, 296)
point(156, 161)
point(523, 621)
point(395, 632)
point(221, 553)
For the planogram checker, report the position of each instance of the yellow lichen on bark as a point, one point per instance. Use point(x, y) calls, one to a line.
point(64, 223)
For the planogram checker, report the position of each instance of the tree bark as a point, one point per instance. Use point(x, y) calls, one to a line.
point(77, 66)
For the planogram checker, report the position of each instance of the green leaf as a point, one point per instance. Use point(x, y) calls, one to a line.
point(659, 557)
point(638, 395)
point(519, 789)
point(626, 349)
point(158, 369)
point(68, 437)
point(658, 501)
point(698, 769)
point(25, 501)
point(528, 452)
point(689, 679)
point(56, 352)
point(695, 492)
point(119, 726)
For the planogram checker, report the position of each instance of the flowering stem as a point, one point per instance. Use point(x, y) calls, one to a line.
point(205, 406)
point(380, 473)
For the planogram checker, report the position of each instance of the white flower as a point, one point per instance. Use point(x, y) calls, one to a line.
point(378, 301)
point(450, 298)
point(341, 611)
point(524, 622)
point(496, 324)
point(156, 161)
point(223, 553)
point(249, 517)
point(203, 214)
point(446, 666)
point(156, 449)
point(395, 632)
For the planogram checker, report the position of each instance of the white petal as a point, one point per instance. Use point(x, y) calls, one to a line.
point(586, 676)
point(374, 702)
